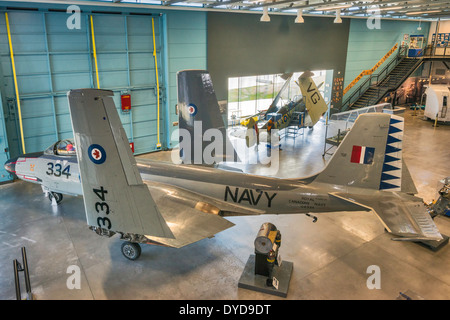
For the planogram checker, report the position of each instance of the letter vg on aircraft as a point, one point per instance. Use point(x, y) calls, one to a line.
point(175, 205)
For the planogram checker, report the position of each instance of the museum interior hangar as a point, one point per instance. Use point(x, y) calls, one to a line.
point(51, 58)
point(363, 54)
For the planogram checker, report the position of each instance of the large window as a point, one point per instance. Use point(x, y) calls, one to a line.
point(252, 94)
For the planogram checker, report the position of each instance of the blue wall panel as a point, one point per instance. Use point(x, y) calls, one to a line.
point(52, 59)
point(4, 151)
point(187, 49)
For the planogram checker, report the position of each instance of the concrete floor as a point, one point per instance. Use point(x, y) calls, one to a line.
point(330, 257)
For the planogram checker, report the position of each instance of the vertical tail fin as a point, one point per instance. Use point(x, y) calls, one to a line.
point(115, 197)
point(314, 102)
point(199, 119)
point(370, 155)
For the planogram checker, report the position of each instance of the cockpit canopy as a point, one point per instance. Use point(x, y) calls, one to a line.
point(64, 147)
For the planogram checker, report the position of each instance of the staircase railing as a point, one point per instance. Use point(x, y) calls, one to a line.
point(374, 79)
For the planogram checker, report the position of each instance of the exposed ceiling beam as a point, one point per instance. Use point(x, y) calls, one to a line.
point(222, 3)
point(217, 7)
point(169, 3)
point(443, 14)
point(420, 7)
point(366, 4)
point(271, 3)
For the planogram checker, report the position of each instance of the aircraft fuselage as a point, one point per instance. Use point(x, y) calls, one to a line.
point(55, 173)
point(270, 195)
point(266, 194)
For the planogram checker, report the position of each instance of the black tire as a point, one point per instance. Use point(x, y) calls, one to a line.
point(131, 250)
point(58, 196)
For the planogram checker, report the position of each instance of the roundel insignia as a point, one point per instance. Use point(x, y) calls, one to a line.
point(285, 118)
point(97, 154)
point(192, 109)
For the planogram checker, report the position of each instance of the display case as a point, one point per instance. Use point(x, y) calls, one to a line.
point(416, 45)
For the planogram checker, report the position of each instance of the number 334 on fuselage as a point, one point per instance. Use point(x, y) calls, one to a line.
point(56, 168)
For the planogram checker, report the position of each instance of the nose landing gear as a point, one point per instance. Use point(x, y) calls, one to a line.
point(55, 195)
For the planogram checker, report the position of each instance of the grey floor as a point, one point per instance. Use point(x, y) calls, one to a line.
point(330, 257)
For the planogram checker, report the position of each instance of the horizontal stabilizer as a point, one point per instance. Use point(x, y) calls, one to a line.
point(403, 215)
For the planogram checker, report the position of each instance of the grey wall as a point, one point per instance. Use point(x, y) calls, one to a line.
point(239, 45)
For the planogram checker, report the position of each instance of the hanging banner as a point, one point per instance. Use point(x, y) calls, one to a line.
point(370, 71)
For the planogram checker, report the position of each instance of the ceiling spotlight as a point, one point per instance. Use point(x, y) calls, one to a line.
point(338, 16)
point(299, 18)
point(265, 17)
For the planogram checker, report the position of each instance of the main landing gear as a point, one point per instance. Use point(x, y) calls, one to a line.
point(131, 250)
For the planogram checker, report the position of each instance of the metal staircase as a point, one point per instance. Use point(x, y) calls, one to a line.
point(377, 86)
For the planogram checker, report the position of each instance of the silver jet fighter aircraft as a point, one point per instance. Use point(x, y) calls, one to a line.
point(55, 169)
point(175, 204)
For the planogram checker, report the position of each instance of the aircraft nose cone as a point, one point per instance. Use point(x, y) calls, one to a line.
point(10, 165)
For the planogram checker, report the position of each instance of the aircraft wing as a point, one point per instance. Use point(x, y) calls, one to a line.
point(403, 215)
point(273, 106)
point(199, 201)
point(191, 217)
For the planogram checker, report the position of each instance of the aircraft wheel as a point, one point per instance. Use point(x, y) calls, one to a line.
point(58, 196)
point(131, 250)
